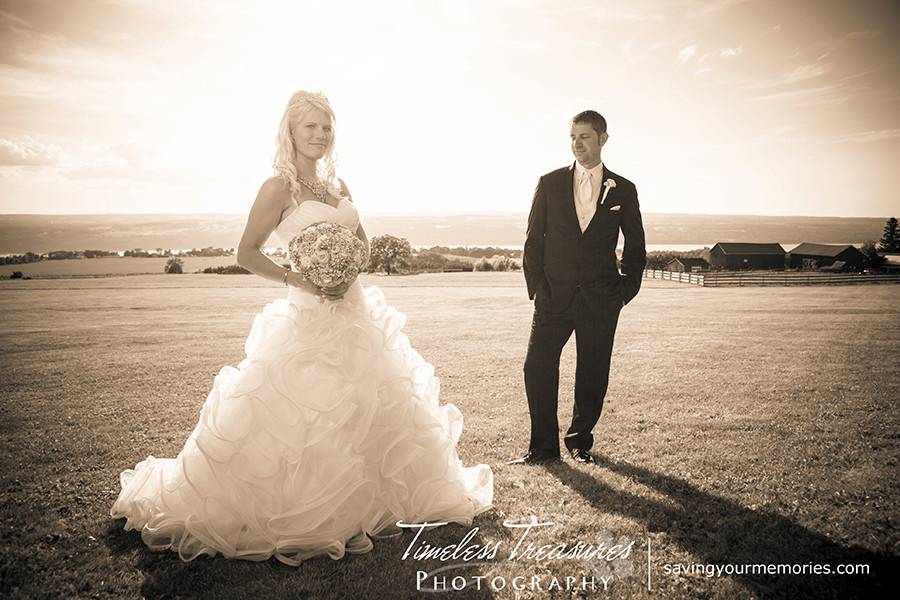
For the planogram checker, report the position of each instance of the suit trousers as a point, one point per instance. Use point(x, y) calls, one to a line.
point(594, 325)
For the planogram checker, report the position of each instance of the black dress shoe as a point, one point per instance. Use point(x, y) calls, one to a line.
point(581, 455)
point(531, 458)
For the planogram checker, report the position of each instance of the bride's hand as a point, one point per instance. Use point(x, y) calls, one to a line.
point(337, 292)
point(294, 279)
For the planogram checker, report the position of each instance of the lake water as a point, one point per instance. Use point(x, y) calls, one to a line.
point(788, 246)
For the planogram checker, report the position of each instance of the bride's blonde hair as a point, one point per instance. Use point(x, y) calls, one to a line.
point(298, 107)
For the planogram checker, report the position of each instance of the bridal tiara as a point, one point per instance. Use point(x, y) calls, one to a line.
point(315, 98)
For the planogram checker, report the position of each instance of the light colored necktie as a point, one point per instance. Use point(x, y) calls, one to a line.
point(587, 189)
point(585, 193)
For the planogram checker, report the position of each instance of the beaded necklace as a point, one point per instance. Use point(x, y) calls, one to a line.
point(318, 189)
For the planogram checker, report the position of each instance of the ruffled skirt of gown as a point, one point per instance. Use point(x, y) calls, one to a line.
point(328, 431)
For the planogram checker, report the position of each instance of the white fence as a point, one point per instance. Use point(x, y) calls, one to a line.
point(693, 278)
point(775, 278)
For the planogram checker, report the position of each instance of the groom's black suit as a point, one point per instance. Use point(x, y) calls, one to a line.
point(576, 286)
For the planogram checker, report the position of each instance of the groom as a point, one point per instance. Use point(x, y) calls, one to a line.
point(570, 269)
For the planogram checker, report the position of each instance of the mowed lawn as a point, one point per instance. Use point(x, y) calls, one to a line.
point(742, 425)
point(111, 266)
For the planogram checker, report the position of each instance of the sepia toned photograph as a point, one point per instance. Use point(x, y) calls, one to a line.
point(544, 299)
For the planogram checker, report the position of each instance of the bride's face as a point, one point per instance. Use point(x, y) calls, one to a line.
point(313, 133)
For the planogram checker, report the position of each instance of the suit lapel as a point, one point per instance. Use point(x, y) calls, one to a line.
point(569, 199)
point(613, 191)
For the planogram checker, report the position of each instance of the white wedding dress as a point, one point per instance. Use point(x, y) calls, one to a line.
point(328, 431)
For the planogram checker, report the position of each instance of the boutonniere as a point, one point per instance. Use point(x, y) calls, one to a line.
point(609, 183)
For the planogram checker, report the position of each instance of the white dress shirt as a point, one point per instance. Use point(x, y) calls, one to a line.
point(587, 191)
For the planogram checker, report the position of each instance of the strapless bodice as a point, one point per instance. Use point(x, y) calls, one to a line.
point(303, 216)
point(310, 212)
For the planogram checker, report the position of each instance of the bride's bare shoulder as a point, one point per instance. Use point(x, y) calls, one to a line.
point(274, 186)
point(274, 193)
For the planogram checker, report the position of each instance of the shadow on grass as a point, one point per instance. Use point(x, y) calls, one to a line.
point(378, 574)
point(718, 531)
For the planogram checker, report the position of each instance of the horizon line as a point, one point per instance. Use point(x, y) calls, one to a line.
point(434, 214)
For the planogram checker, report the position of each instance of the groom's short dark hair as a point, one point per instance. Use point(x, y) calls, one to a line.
point(594, 118)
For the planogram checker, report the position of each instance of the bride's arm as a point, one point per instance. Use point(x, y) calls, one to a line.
point(264, 217)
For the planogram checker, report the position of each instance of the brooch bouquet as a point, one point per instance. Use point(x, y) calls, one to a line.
point(327, 254)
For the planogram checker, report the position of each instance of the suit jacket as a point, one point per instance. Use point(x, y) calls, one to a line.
point(559, 259)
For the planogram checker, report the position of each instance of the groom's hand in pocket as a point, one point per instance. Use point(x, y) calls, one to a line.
point(542, 288)
point(630, 288)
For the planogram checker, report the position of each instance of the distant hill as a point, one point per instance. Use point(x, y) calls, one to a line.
point(43, 233)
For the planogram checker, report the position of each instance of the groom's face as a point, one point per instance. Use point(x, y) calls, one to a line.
point(586, 144)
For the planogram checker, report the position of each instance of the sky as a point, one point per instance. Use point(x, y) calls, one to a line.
point(721, 107)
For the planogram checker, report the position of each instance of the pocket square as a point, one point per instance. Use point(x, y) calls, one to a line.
point(616, 207)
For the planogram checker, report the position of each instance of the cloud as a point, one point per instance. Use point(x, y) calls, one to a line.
point(101, 172)
point(729, 52)
point(798, 74)
point(132, 153)
point(27, 153)
point(865, 137)
point(864, 34)
point(825, 95)
point(830, 95)
point(632, 17)
point(702, 71)
point(69, 39)
point(804, 72)
point(710, 8)
point(602, 14)
point(166, 176)
point(11, 21)
point(686, 53)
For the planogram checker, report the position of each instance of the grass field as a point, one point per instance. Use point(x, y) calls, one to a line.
point(111, 265)
point(743, 425)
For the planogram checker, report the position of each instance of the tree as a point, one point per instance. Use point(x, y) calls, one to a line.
point(873, 259)
point(484, 265)
point(388, 252)
point(174, 265)
point(890, 239)
point(427, 261)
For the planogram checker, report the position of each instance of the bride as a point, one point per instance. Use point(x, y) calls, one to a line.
point(329, 430)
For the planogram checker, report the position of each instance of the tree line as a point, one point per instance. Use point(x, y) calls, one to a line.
point(33, 257)
point(395, 255)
